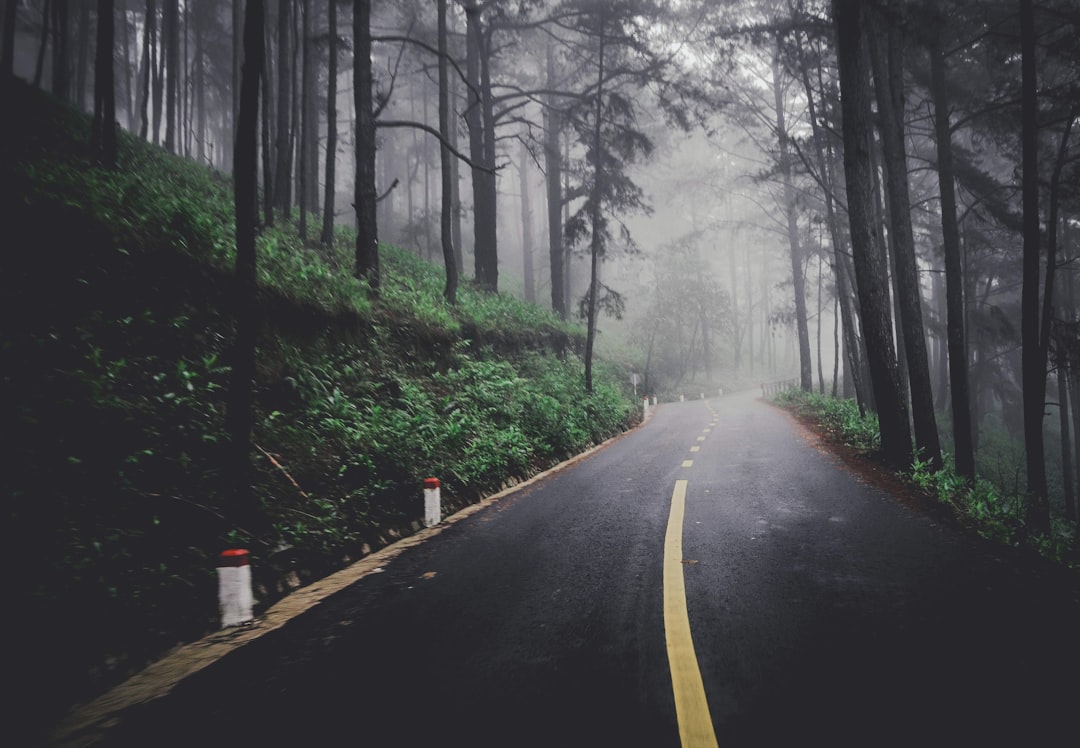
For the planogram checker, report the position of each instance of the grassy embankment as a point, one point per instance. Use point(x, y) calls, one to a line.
point(116, 344)
point(992, 508)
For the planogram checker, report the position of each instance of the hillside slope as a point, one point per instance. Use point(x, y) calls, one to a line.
point(114, 296)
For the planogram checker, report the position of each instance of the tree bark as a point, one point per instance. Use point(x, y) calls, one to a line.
point(806, 373)
point(305, 122)
point(367, 243)
point(852, 348)
point(888, 85)
point(553, 181)
point(485, 254)
point(149, 26)
point(960, 400)
point(329, 189)
point(266, 136)
point(446, 174)
point(46, 16)
point(870, 274)
point(171, 23)
point(527, 273)
point(7, 63)
point(238, 415)
point(596, 219)
point(282, 150)
point(60, 67)
point(1033, 358)
point(104, 127)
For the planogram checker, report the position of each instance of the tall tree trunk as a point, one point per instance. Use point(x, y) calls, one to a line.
point(198, 65)
point(1033, 358)
point(60, 68)
point(488, 277)
point(266, 135)
point(749, 311)
point(329, 189)
point(43, 44)
point(820, 363)
point(130, 71)
point(282, 155)
point(171, 24)
point(888, 79)
point(960, 400)
point(305, 121)
point(82, 55)
point(104, 127)
point(528, 276)
point(445, 173)
point(238, 415)
point(455, 188)
point(237, 59)
point(870, 274)
point(553, 181)
point(806, 373)
point(485, 257)
point(1068, 489)
point(367, 242)
point(1074, 389)
point(149, 29)
point(596, 217)
point(7, 63)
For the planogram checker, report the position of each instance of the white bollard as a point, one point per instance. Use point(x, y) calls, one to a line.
point(702, 395)
point(645, 407)
point(234, 587)
point(721, 391)
point(682, 398)
point(654, 399)
point(432, 499)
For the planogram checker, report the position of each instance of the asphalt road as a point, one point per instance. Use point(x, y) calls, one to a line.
point(822, 611)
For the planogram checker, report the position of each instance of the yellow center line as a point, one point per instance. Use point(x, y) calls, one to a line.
point(701, 438)
point(691, 707)
point(695, 449)
point(687, 463)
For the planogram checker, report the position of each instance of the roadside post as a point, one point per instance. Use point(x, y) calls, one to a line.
point(234, 587)
point(432, 501)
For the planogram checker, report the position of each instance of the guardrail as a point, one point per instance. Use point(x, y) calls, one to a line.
point(781, 385)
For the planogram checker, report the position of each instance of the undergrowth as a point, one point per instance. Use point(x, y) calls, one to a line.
point(116, 337)
point(992, 509)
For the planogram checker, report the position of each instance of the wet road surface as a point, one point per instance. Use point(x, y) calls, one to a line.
point(822, 610)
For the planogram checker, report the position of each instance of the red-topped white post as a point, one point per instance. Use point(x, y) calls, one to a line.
point(234, 587)
point(432, 500)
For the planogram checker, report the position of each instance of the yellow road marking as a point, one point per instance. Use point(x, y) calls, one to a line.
point(687, 463)
point(701, 438)
point(695, 449)
point(707, 430)
point(691, 707)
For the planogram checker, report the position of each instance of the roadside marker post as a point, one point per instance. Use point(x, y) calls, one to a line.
point(234, 587)
point(645, 407)
point(432, 501)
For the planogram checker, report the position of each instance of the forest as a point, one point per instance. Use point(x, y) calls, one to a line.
point(269, 264)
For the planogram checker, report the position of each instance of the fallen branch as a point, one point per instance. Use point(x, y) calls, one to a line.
point(284, 472)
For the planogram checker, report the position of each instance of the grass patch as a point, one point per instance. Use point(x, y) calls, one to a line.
point(994, 512)
point(115, 291)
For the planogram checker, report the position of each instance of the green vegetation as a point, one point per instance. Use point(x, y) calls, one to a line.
point(116, 343)
point(995, 508)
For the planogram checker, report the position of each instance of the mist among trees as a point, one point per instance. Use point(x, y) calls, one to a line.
point(877, 200)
